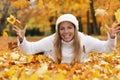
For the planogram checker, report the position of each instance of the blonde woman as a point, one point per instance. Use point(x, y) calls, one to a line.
point(67, 45)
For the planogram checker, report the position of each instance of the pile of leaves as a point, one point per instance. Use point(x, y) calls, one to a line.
point(17, 66)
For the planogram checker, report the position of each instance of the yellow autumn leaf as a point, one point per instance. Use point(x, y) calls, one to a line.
point(14, 78)
point(59, 76)
point(96, 74)
point(11, 19)
point(47, 74)
point(16, 4)
point(5, 34)
point(29, 58)
point(103, 30)
point(23, 4)
point(42, 69)
point(40, 4)
point(108, 68)
point(14, 55)
point(117, 15)
point(34, 77)
point(75, 77)
point(23, 77)
point(62, 71)
point(10, 72)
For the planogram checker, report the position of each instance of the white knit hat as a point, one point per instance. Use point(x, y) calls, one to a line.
point(67, 17)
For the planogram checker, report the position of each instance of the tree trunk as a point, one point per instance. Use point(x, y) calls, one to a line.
point(95, 27)
point(89, 31)
point(4, 16)
point(80, 24)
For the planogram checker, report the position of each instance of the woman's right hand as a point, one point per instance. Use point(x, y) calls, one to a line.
point(20, 33)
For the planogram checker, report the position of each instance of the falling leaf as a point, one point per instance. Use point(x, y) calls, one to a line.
point(5, 34)
point(11, 19)
point(117, 15)
point(101, 12)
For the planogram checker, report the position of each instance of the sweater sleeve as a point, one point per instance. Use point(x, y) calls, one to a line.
point(42, 45)
point(95, 44)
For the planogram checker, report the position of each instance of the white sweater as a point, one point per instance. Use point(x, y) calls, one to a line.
point(87, 42)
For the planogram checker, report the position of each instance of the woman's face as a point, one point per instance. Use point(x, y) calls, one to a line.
point(66, 30)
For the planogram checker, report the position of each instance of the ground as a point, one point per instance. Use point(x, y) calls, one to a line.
point(17, 66)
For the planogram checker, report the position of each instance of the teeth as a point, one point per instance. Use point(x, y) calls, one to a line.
point(66, 36)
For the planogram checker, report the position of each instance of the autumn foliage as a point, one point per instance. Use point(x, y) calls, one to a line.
point(17, 66)
point(42, 13)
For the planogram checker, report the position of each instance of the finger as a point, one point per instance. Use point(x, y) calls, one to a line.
point(19, 35)
point(15, 30)
point(117, 28)
point(115, 25)
point(15, 27)
point(117, 31)
point(107, 27)
point(25, 27)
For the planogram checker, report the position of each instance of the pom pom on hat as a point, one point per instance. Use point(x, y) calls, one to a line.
point(67, 17)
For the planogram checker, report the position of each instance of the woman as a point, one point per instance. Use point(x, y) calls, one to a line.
point(67, 45)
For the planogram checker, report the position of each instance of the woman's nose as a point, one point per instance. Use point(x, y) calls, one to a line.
point(66, 31)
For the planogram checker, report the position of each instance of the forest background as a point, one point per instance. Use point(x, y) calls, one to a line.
point(41, 15)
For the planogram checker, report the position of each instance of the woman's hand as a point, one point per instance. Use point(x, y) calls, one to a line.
point(20, 33)
point(113, 30)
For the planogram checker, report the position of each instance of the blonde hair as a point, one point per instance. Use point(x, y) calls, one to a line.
point(58, 49)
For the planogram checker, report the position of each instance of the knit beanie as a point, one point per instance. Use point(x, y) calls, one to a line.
point(67, 17)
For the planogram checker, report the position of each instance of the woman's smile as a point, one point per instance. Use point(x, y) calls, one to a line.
point(66, 31)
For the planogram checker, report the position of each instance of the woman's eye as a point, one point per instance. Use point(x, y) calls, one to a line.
point(61, 28)
point(70, 27)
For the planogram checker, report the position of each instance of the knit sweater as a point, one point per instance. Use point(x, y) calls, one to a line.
point(87, 43)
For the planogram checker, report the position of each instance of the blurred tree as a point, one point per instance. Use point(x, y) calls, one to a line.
point(89, 27)
point(80, 24)
point(4, 7)
point(37, 13)
point(52, 24)
point(8, 7)
point(95, 26)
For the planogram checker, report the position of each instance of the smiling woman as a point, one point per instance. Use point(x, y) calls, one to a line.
point(66, 31)
point(67, 44)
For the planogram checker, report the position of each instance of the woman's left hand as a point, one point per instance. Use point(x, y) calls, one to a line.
point(113, 30)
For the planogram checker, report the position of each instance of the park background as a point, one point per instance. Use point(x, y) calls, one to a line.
point(40, 16)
